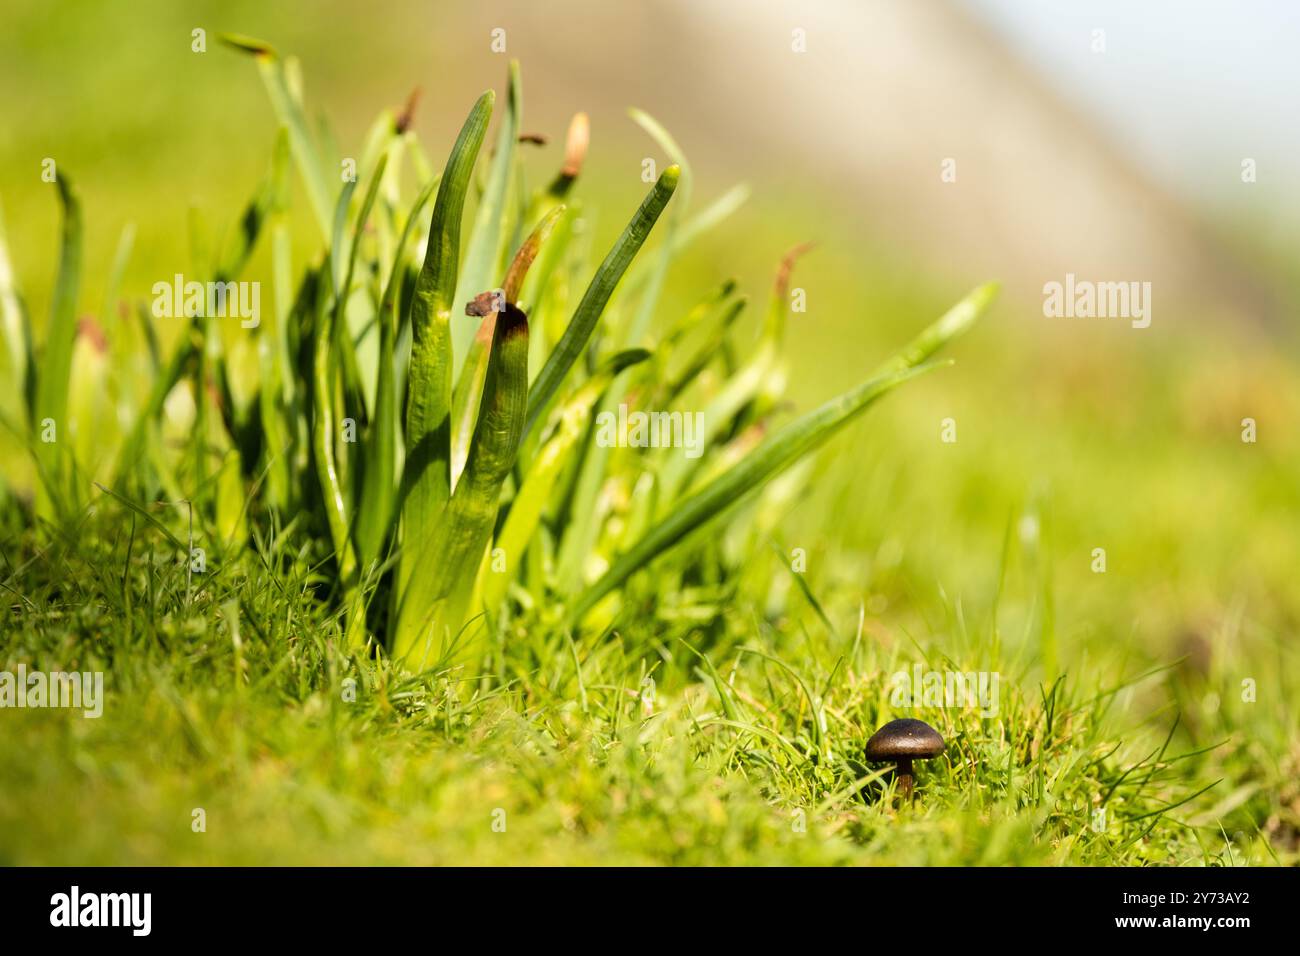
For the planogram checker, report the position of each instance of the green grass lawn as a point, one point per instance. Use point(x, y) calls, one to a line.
point(621, 748)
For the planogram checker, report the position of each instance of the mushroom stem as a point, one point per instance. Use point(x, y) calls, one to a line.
point(904, 773)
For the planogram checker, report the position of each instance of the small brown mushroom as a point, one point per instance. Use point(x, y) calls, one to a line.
point(900, 742)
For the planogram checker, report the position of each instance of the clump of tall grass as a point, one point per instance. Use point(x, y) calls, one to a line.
point(425, 396)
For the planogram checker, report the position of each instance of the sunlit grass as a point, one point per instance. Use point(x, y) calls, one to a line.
point(647, 679)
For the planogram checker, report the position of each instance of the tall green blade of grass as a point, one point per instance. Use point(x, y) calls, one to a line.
point(659, 272)
point(464, 398)
point(14, 404)
point(426, 478)
point(469, 387)
point(256, 214)
point(379, 489)
point(384, 142)
point(231, 500)
point(277, 77)
point(483, 262)
point(120, 360)
point(486, 250)
point(947, 327)
point(593, 303)
point(757, 383)
point(108, 310)
point(324, 374)
point(342, 341)
point(326, 407)
point(470, 517)
point(570, 419)
point(427, 633)
point(721, 318)
point(540, 296)
point(783, 449)
point(201, 258)
point(51, 399)
point(113, 286)
point(704, 220)
point(276, 392)
point(720, 495)
point(582, 535)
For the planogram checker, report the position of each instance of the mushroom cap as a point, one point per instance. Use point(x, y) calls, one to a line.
point(904, 739)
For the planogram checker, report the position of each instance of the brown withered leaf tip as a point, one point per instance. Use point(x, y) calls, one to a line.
point(485, 303)
point(537, 139)
point(407, 116)
point(89, 329)
point(787, 266)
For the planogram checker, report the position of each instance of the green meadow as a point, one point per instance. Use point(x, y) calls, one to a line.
point(368, 584)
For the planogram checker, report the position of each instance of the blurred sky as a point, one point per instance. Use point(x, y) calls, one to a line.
point(1187, 87)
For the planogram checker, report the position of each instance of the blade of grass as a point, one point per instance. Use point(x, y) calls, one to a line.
point(15, 329)
point(704, 220)
point(324, 374)
point(469, 387)
point(486, 251)
point(749, 392)
point(379, 489)
point(778, 453)
point(354, 391)
point(783, 449)
point(582, 535)
point(721, 318)
point(56, 360)
point(426, 478)
point(589, 310)
point(463, 535)
point(569, 420)
point(277, 391)
point(288, 109)
point(148, 517)
point(468, 522)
